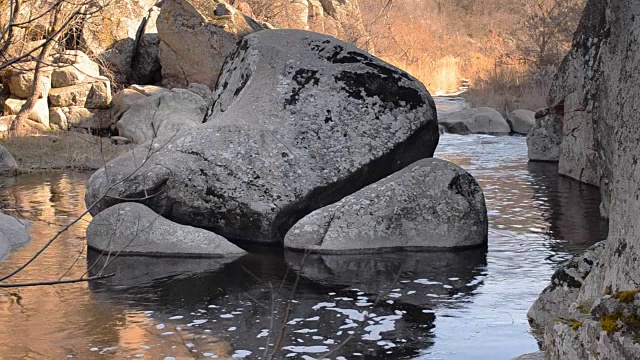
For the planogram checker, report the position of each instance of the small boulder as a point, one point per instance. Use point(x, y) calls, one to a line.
point(482, 120)
point(92, 95)
point(57, 119)
point(39, 113)
point(21, 82)
point(72, 68)
point(8, 165)
point(13, 232)
point(431, 204)
point(80, 117)
point(132, 228)
point(521, 121)
point(161, 115)
point(544, 139)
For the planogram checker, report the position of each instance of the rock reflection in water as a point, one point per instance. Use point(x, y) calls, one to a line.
point(335, 297)
point(569, 206)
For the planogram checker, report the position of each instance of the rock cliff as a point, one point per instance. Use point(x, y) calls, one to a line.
point(599, 83)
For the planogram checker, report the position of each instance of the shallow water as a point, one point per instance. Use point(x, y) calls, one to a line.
point(446, 305)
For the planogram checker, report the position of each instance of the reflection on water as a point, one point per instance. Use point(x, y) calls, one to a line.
point(442, 305)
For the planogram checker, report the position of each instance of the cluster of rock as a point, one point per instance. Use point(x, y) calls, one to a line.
point(74, 95)
point(591, 310)
point(298, 121)
point(150, 42)
point(484, 120)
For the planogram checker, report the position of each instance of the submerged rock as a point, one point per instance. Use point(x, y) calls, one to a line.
point(430, 204)
point(299, 121)
point(13, 232)
point(482, 120)
point(131, 228)
point(543, 141)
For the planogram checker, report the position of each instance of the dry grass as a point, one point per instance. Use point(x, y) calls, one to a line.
point(509, 90)
point(66, 150)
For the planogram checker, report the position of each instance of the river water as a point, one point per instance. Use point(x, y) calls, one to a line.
point(404, 305)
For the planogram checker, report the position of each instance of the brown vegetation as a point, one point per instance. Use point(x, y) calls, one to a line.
point(65, 150)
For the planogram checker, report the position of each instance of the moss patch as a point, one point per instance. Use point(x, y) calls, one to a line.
point(573, 323)
point(626, 297)
point(610, 322)
point(582, 308)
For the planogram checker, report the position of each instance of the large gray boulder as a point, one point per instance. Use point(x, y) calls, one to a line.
point(132, 228)
point(13, 232)
point(481, 120)
point(299, 121)
point(431, 204)
point(194, 42)
point(544, 139)
point(161, 115)
point(521, 121)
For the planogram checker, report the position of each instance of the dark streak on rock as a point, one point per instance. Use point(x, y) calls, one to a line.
point(386, 88)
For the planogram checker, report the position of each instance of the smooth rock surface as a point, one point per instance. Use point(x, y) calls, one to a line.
point(430, 204)
point(544, 139)
point(122, 101)
point(482, 120)
point(161, 115)
point(13, 232)
point(521, 121)
point(132, 228)
point(300, 120)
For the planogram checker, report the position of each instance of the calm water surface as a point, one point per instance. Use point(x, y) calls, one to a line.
point(460, 305)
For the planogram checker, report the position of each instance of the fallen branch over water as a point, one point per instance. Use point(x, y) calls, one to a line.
point(56, 282)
